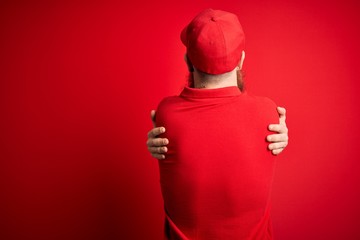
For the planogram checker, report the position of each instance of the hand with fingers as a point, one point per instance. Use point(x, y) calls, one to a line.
point(278, 141)
point(156, 145)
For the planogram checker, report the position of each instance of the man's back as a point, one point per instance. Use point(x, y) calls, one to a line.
point(217, 176)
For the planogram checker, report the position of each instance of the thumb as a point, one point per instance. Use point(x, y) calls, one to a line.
point(282, 115)
point(152, 115)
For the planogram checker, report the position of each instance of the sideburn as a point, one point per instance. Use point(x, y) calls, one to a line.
point(240, 81)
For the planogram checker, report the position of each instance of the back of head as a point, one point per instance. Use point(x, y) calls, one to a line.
point(214, 41)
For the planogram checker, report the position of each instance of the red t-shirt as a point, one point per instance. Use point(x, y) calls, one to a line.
point(217, 176)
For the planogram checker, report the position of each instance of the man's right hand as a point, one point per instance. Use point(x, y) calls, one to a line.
point(157, 146)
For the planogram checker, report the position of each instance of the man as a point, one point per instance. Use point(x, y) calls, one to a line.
point(217, 176)
point(278, 142)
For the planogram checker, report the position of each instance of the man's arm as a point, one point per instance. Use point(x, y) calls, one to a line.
point(278, 141)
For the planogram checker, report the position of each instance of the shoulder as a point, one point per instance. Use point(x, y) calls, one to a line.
point(266, 102)
point(264, 106)
point(168, 101)
point(260, 100)
point(166, 108)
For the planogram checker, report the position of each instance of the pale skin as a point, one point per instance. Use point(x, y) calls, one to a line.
point(277, 141)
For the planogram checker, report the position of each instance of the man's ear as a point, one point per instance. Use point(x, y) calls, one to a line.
point(189, 64)
point(242, 59)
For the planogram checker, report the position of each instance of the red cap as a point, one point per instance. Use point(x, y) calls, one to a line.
point(214, 40)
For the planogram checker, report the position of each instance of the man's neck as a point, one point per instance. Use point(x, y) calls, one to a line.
point(215, 81)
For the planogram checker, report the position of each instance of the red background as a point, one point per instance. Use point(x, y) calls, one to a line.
point(78, 81)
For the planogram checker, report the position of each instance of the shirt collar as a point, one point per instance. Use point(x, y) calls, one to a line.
point(210, 93)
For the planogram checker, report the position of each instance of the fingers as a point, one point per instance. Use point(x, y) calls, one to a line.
point(156, 147)
point(281, 110)
point(276, 138)
point(153, 133)
point(282, 115)
point(277, 146)
point(158, 156)
point(279, 141)
point(280, 128)
point(277, 151)
point(152, 115)
point(157, 142)
point(157, 150)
